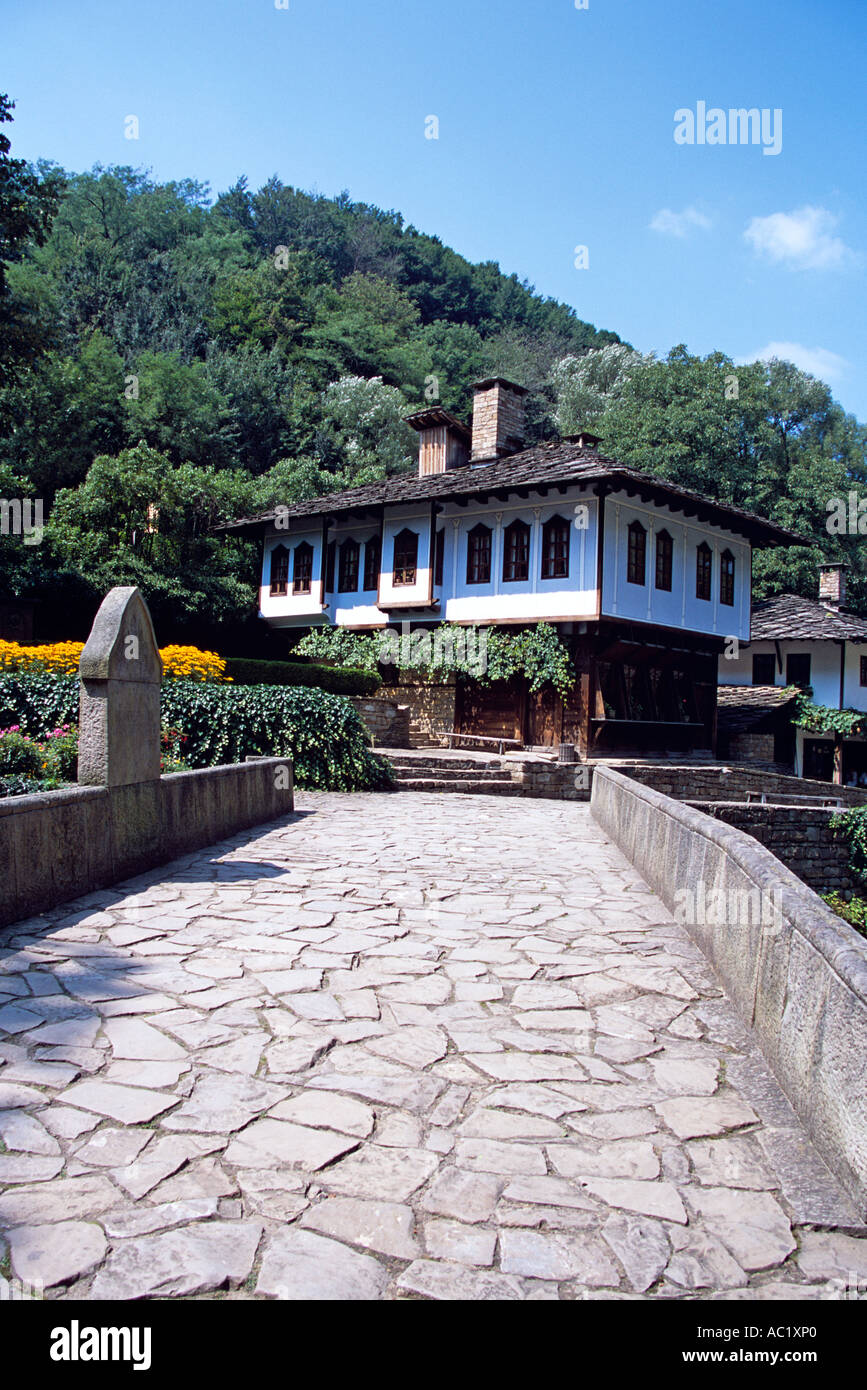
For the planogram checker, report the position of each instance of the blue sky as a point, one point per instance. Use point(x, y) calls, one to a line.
point(556, 130)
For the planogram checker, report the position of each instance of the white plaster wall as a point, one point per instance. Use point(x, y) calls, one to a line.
point(680, 607)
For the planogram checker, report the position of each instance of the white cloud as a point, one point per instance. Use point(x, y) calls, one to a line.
point(801, 240)
point(679, 224)
point(820, 362)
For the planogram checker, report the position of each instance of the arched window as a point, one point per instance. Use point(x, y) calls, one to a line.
point(727, 578)
point(664, 556)
point(302, 573)
point(479, 555)
point(516, 552)
point(348, 574)
point(279, 570)
point(405, 557)
point(371, 563)
point(555, 548)
point(702, 571)
point(636, 559)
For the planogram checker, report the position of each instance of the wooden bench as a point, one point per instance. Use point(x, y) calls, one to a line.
point(483, 738)
point(791, 799)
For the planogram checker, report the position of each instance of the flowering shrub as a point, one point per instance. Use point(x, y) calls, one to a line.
point(191, 664)
point(46, 762)
point(62, 658)
point(172, 743)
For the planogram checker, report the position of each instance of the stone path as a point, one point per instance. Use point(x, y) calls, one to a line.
point(397, 1046)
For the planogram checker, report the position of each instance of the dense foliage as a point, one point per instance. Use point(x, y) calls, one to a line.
point(826, 719)
point(182, 360)
point(321, 733)
point(210, 723)
point(336, 680)
point(766, 437)
point(851, 825)
point(852, 910)
point(169, 361)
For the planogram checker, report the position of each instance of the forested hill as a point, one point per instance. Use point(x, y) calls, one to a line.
point(235, 317)
point(168, 361)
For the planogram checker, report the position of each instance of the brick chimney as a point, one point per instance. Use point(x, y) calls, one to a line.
point(444, 442)
point(498, 418)
point(832, 584)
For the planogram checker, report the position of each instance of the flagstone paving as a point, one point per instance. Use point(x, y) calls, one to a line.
point(397, 1046)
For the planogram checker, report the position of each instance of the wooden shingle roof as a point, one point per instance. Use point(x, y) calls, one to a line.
point(789, 616)
point(557, 463)
point(753, 708)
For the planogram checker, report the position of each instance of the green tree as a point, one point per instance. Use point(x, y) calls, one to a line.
point(29, 200)
point(140, 519)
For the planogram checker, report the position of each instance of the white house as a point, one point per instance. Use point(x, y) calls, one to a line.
point(643, 579)
point(797, 641)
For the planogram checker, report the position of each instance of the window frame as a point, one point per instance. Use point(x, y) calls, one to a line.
point(404, 569)
point(372, 563)
point(703, 572)
point(348, 566)
point(479, 553)
point(516, 551)
point(799, 656)
point(764, 656)
point(727, 578)
point(664, 566)
point(636, 554)
point(278, 571)
point(556, 536)
point(302, 576)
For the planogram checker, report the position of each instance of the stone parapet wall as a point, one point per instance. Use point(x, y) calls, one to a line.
point(730, 782)
point(798, 976)
point(60, 845)
point(801, 836)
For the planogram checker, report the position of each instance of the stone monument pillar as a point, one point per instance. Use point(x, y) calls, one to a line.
point(121, 671)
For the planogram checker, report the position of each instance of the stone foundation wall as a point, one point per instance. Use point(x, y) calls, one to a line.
point(798, 974)
point(387, 722)
point(801, 836)
point(431, 711)
point(752, 748)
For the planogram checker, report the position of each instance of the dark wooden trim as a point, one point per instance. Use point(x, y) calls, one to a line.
point(381, 553)
point(322, 562)
point(601, 493)
point(431, 556)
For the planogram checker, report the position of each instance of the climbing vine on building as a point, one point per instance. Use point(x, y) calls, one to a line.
point(481, 654)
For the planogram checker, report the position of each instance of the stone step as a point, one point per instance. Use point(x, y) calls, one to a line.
point(448, 774)
point(432, 784)
point(457, 764)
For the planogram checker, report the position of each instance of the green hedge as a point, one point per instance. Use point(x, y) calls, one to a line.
point(39, 702)
point(296, 673)
point(321, 732)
